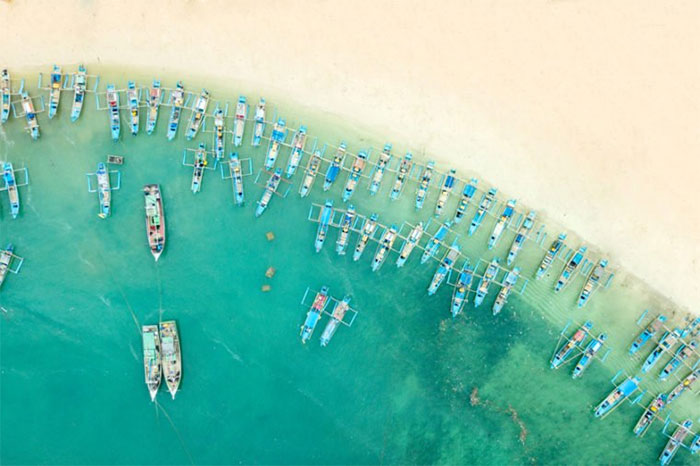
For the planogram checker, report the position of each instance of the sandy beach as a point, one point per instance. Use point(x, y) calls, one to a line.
point(587, 111)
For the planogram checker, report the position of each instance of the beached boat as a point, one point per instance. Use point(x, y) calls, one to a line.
point(502, 222)
point(112, 97)
point(270, 189)
point(104, 190)
point(675, 441)
point(485, 205)
point(239, 121)
point(133, 98)
point(279, 134)
point(571, 344)
point(483, 288)
point(649, 415)
point(592, 282)
point(508, 284)
point(55, 90)
point(198, 167)
point(619, 394)
point(234, 166)
point(171, 358)
point(521, 236)
point(177, 101)
point(324, 220)
point(155, 95)
point(344, 231)
point(401, 176)
point(199, 110)
point(219, 131)
point(310, 173)
point(386, 242)
point(435, 242)
point(445, 191)
point(155, 219)
point(259, 127)
point(79, 87)
point(337, 315)
point(5, 95)
point(444, 269)
point(335, 167)
point(424, 184)
point(298, 142)
point(355, 173)
point(594, 346)
point(409, 244)
point(151, 358)
point(314, 315)
point(467, 195)
point(8, 173)
point(647, 334)
point(569, 270)
point(368, 230)
point(30, 115)
point(685, 384)
point(682, 354)
point(379, 169)
point(461, 292)
point(551, 254)
point(667, 342)
point(5, 260)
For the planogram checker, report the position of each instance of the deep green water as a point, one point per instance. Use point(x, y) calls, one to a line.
point(393, 388)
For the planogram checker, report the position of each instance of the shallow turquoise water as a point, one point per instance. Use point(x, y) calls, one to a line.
point(393, 388)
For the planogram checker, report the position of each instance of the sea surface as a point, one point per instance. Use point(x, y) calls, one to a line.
point(405, 383)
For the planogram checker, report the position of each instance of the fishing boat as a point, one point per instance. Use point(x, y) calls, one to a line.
point(674, 442)
point(424, 184)
point(270, 189)
point(386, 242)
point(368, 229)
point(337, 315)
point(151, 358)
point(379, 169)
point(155, 219)
point(5, 95)
point(401, 176)
point(171, 358)
point(314, 315)
point(483, 288)
point(444, 268)
point(79, 87)
point(508, 284)
point(647, 334)
point(335, 167)
point(155, 95)
point(55, 90)
point(30, 115)
point(200, 163)
point(467, 195)
point(5, 260)
point(667, 342)
point(445, 191)
point(649, 414)
point(684, 385)
point(234, 166)
point(279, 134)
point(310, 173)
point(259, 127)
point(551, 254)
point(324, 221)
point(485, 205)
point(219, 133)
point(682, 354)
point(113, 106)
point(521, 236)
point(344, 230)
point(695, 445)
point(198, 112)
point(571, 344)
point(502, 222)
point(8, 173)
point(298, 142)
point(435, 242)
point(569, 270)
point(104, 190)
point(355, 173)
point(409, 244)
point(592, 282)
point(177, 101)
point(619, 394)
point(593, 347)
point(239, 120)
point(461, 292)
point(132, 96)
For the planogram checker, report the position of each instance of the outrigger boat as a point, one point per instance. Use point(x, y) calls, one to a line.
point(675, 441)
point(502, 223)
point(483, 288)
point(368, 230)
point(508, 284)
point(467, 195)
point(409, 244)
point(171, 358)
point(323, 223)
point(200, 163)
point(686, 384)
point(104, 190)
point(695, 445)
point(113, 105)
point(219, 133)
point(234, 166)
point(5, 95)
point(593, 347)
point(344, 231)
point(552, 253)
point(310, 173)
point(337, 316)
point(55, 90)
point(445, 191)
point(314, 315)
point(667, 342)
point(239, 120)
point(401, 176)
point(434, 243)
point(382, 164)
point(6, 256)
point(8, 173)
point(155, 95)
point(133, 97)
point(386, 242)
point(30, 115)
point(460, 296)
point(155, 220)
point(425, 179)
point(177, 101)
point(279, 134)
point(592, 282)
point(298, 142)
point(355, 173)
point(335, 167)
point(569, 270)
point(619, 394)
point(151, 358)
point(647, 334)
point(259, 126)
point(521, 236)
point(572, 343)
point(487, 201)
point(649, 415)
point(444, 268)
point(270, 189)
point(79, 86)
point(683, 353)
point(198, 112)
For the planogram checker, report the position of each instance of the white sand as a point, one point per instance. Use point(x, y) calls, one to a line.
point(589, 110)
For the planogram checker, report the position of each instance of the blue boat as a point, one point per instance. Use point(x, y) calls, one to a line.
point(314, 315)
point(298, 142)
point(378, 173)
point(695, 445)
point(219, 130)
point(650, 413)
point(674, 442)
point(337, 316)
point(368, 229)
point(549, 257)
point(54, 90)
point(667, 342)
point(444, 268)
point(79, 86)
point(198, 112)
point(234, 166)
point(423, 185)
point(593, 347)
point(508, 284)
point(521, 236)
point(259, 127)
point(467, 195)
point(30, 115)
point(177, 101)
point(279, 134)
point(104, 190)
point(401, 176)
point(239, 121)
point(5, 95)
point(592, 282)
point(409, 244)
point(8, 173)
point(647, 334)
point(270, 190)
point(344, 231)
point(569, 270)
point(683, 353)
point(447, 187)
point(323, 224)
point(487, 201)
point(112, 97)
point(335, 167)
point(460, 296)
point(502, 223)
point(355, 174)
point(619, 394)
point(685, 384)
point(434, 243)
point(155, 96)
point(386, 242)
point(564, 353)
point(483, 289)
point(133, 98)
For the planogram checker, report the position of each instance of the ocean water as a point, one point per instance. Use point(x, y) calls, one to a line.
point(405, 384)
